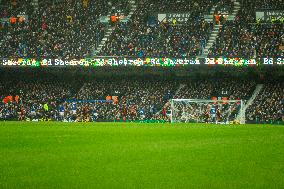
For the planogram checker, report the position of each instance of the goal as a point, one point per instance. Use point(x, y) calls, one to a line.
point(207, 111)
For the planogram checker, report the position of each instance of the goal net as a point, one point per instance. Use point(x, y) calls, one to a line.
point(207, 111)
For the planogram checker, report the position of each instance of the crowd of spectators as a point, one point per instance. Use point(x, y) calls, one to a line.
point(71, 29)
point(164, 40)
point(262, 4)
point(55, 29)
point(167, 38)
point(247, 13)
point(28, 98)
point(224, 7)
point(249, 37)
point(195, 7)
point(131, 99)
point(101, 100)
point(268, 107)
point(249, 41)
point(206, 89)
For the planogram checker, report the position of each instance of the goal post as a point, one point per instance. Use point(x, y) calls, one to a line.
point(207, 111)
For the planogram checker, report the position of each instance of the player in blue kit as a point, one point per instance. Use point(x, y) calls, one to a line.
point(213, 114)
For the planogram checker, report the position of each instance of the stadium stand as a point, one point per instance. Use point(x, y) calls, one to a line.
point(131, 99)
point(269, 105)
point(249, 41)
point(27, 94)
point(160, 41)
point(64, 29)
point(206, 89)
point(116, 99)
point(135, 99)
point(69, 29)
point(141, 38)
point(247, 37)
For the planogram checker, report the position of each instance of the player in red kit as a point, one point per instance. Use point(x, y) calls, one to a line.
point(218, 114)
point(21, 114)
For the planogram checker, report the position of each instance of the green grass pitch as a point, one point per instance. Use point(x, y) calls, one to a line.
point(127, 155)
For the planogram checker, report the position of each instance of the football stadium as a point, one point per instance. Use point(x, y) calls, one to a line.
point(142, 94)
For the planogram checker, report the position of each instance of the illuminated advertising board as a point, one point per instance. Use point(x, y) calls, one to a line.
point(144, 62)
